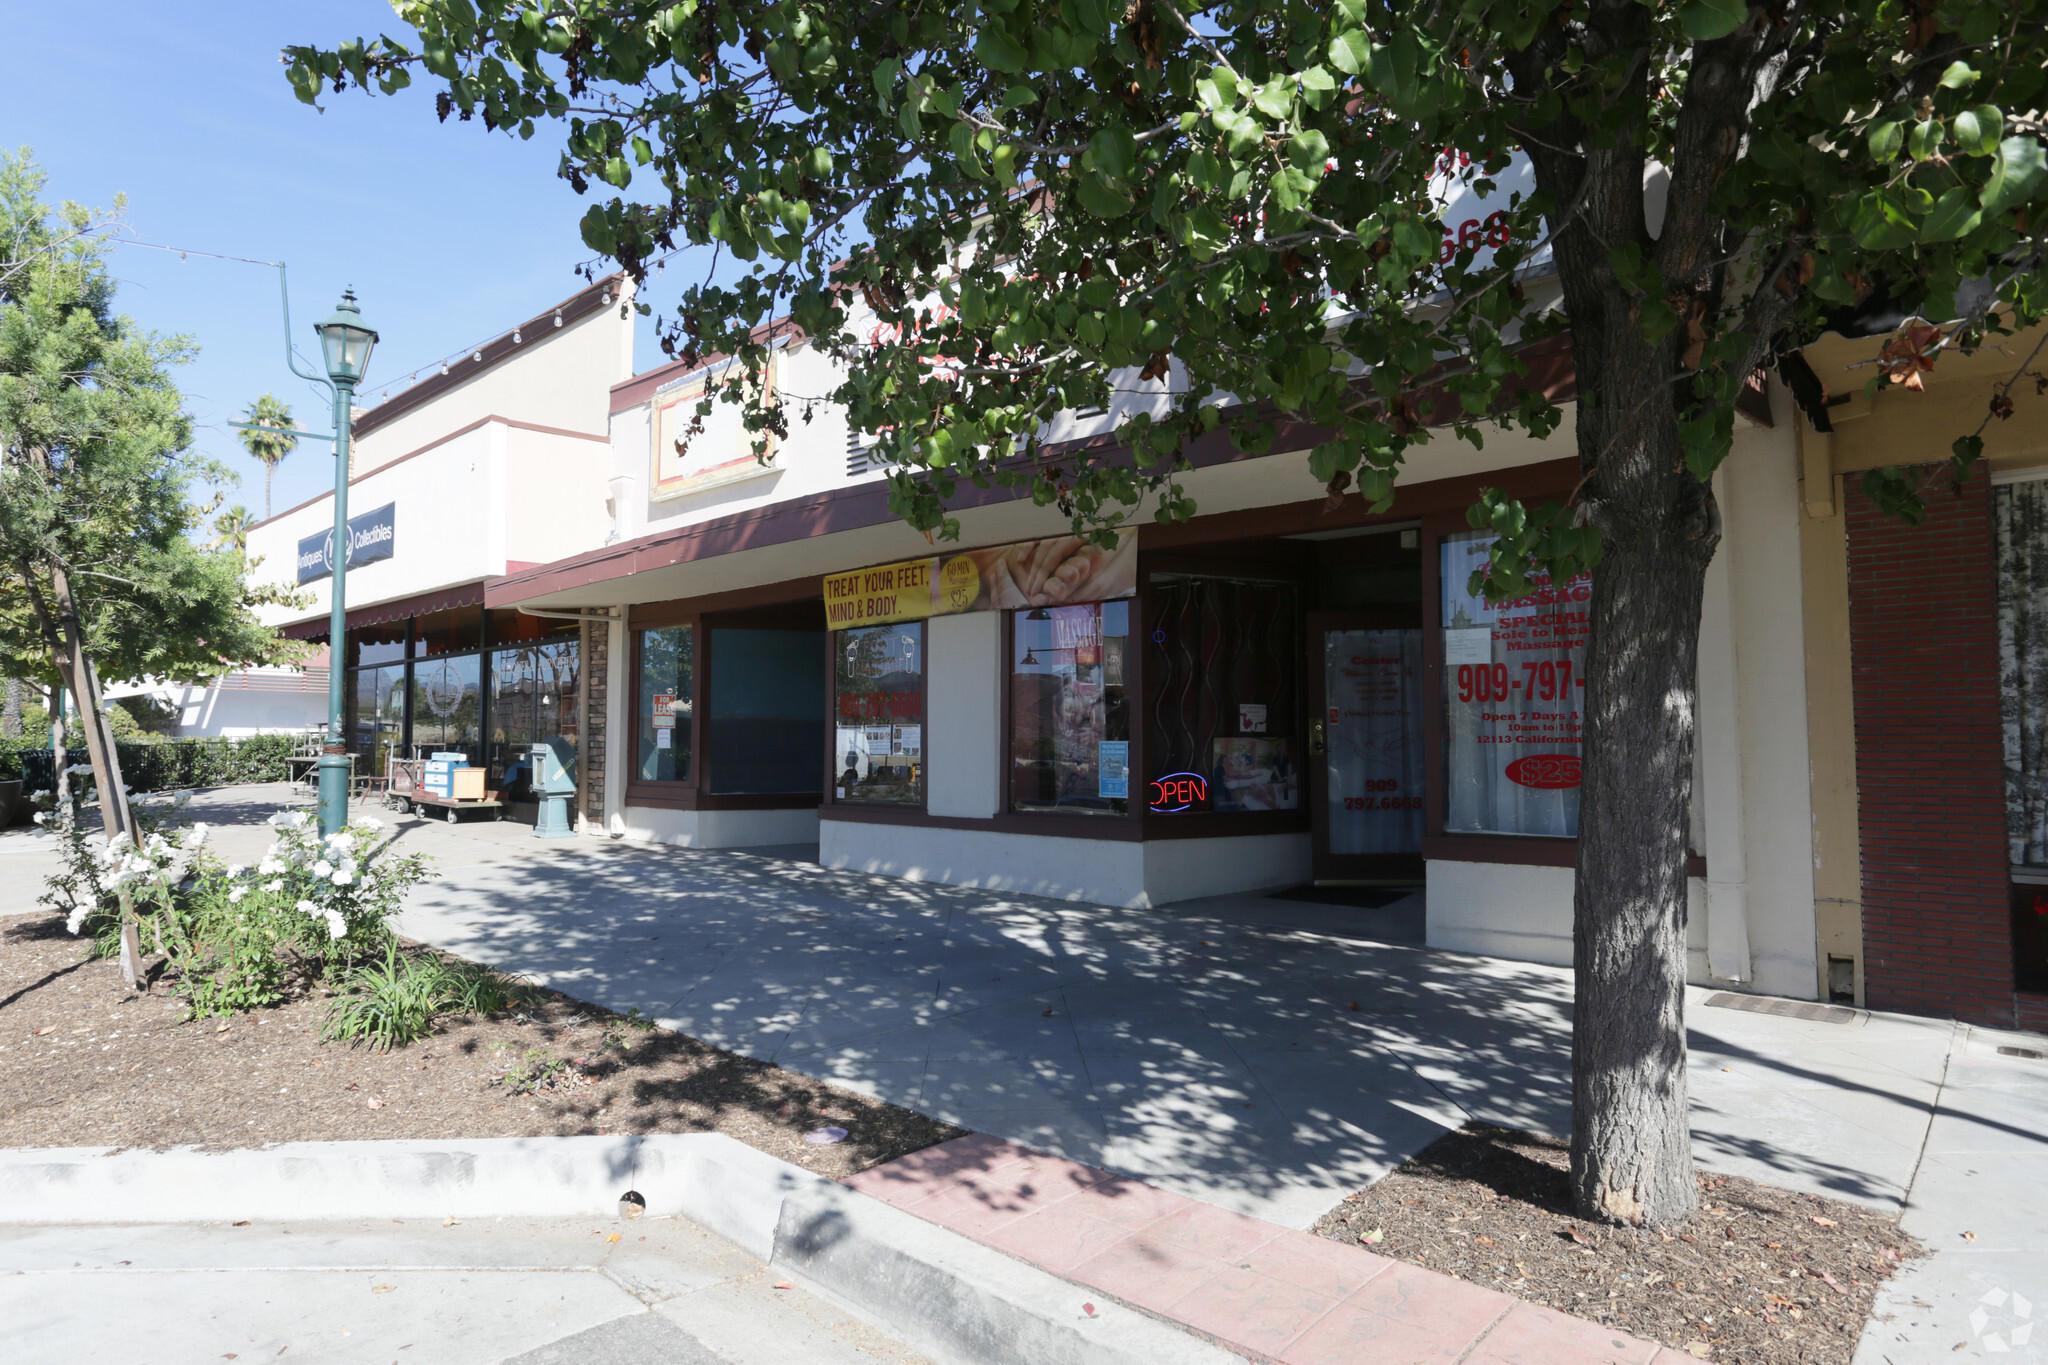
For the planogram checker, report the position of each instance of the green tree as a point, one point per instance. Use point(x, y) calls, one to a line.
point(269, 446)
point(231, 529)
point(104, 579)
point(1048, 200)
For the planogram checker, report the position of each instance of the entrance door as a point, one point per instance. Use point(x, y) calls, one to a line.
point(1365, 747)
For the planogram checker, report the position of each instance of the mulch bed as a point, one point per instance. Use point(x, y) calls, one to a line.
point(1758, 1275)
point(84, 1061)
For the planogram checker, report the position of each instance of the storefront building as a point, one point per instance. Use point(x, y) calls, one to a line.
point(1929, 683)
point(493, 463)
point(1280, 691)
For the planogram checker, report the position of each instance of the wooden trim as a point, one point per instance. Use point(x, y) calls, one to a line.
point(832, 799)
point(1044, 824)
point(584, 303)
point(681, 796)
point(1234, 824)
point(677, 787)
point(677, 610)
point(1521, 850)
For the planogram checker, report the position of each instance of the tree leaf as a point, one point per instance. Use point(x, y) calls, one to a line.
point(1705, 20)
point(1955, 214)
point(1349, 51)
point(2016, 173)
point(1001, 51)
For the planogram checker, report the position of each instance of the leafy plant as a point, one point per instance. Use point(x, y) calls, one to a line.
point(387, 1004)
point(473, 988)
point(538, 1070)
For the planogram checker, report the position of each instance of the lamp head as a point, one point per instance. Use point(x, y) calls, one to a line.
point(345, 341)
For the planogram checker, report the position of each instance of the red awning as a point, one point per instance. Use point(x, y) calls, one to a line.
point(468, 595)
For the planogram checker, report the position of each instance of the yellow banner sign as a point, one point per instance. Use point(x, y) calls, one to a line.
point(1055, 571)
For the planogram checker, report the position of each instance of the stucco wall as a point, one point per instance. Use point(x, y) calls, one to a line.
point(719, 828)
point(562, 378)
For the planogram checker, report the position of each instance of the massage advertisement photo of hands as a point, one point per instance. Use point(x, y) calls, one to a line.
point(1053, 572)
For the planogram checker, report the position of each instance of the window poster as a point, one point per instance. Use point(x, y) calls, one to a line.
point(1372, 680)
point(1514, 700)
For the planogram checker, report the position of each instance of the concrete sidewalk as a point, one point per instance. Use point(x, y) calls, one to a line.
point(522, 1291)
point(1262, 1055)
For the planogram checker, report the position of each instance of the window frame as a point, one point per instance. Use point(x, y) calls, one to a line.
point(664, 790)
point(1133, 707)
point(829, 760)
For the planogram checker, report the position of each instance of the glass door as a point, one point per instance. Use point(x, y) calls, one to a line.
point(1365, 750)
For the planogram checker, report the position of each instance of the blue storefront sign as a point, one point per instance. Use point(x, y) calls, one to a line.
point(369, 540)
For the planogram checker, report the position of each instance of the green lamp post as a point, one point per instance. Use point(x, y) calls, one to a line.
point(345, 343)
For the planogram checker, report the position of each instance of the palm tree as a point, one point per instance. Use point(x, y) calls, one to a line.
point(268, 446)
point(232, 528)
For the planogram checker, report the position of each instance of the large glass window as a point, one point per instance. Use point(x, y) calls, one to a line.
point(1070, 718)
point(376, 719)
point(1514, 693)
point(765, 710)
point(448, 632)
point(533, 698)
point(878, 710)
point(383, 643)
point(517, 627)
point(447, 706)
point(1224, 679)
point(666, 697)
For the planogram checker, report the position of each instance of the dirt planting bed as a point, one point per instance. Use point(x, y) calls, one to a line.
point(1758, 1275)
point(84, 1061)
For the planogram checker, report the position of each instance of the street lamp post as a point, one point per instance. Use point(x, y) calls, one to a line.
point(345, 343)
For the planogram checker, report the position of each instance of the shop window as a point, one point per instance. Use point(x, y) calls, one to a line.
point(516, 627)
point(1223, 728)
point(764, 711)
point(2020, 518)
point(878, 713)
point(666, 698)
point(448, 632)
point(447, 706)
point(1514, 698)
point(376, 717)
point(383, 643)
point(533, 698)
point(1070, 718)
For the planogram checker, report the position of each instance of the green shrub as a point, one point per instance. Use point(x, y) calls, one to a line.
point(394, 1002)
point(386, 1004)
point(538, 1070)
point(162, 765)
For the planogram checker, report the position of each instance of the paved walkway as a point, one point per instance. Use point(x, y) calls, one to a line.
point(1260, 1055)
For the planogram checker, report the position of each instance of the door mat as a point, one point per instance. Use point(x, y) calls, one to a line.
point(1359, 897)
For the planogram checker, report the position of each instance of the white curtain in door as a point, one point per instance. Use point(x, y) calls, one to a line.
point(1372, 686)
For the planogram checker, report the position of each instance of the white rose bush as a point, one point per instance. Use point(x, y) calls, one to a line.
point(234, 937)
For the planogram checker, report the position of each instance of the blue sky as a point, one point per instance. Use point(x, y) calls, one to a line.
point(448, 233)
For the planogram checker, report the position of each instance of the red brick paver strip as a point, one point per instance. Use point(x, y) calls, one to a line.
point(1269, 1292)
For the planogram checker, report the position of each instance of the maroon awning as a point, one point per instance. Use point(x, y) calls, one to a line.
point(468, 595)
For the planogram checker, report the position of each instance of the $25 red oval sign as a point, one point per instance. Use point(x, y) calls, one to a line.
point(1546, 772)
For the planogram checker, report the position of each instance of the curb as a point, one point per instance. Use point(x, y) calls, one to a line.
point(934, 1289)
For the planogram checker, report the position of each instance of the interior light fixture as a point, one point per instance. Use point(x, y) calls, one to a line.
point(1029, 660)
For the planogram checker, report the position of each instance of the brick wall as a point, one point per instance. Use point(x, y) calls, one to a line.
point(596, 653)
point(1930, 767)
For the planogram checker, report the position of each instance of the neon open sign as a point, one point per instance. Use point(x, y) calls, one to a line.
point(1177, 792)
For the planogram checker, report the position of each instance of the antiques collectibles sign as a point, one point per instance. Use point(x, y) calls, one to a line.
point(1056, 571)
point(369, 540)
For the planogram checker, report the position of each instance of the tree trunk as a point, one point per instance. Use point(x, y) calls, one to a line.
point(269, 472)
point(1631, 1119)
point(75, 665)
point(60, 751)
point(10, 710)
